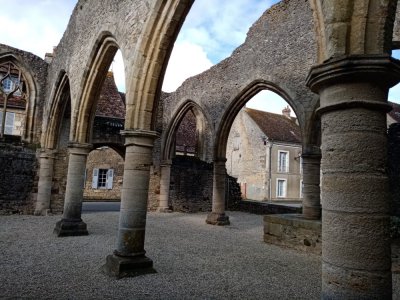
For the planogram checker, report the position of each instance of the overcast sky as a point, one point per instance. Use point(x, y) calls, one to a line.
point(212, 30)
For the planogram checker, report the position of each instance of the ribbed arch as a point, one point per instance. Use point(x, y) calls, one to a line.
point(202, 124)
point(150, 61)
point(60, 98)
point(353, 27)
point(100, 60)
point(239, 101)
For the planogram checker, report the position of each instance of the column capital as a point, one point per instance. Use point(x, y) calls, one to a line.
point(355, 81)
point(166, 163)
point(136, 137)
point(79, 148)
point(47, 153)
point(379, 69)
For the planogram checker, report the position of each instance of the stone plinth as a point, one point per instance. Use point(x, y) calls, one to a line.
point(67, 227)
point(293, 231)
point(120, 267)
point(217, 219)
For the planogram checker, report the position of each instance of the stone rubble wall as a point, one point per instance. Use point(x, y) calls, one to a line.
point(17, 177)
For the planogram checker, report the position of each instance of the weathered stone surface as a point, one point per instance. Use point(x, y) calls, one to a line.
point(293, 231)
point(17, 176)
point(120, 267)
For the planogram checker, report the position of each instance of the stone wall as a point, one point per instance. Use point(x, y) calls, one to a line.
point(394, 166)
point(59, 181)
point(17, 177)
point(191, 184)
point(35, 71)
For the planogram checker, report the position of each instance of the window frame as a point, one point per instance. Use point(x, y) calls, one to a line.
point(286, 170)
point(284, 195)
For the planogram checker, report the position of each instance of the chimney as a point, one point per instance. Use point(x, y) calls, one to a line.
point(286, 112)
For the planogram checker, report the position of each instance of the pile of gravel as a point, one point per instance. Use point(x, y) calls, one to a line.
point(193, 261)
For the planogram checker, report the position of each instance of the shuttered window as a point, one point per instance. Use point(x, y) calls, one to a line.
point(102, 179)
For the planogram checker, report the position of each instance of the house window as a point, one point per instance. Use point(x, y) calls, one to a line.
point(281, 188)
point(301, 188)
point(10, 117)
point(283, 161)
point(102, 179)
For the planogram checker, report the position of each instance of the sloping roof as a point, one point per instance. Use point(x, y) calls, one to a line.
point(395, 112)
point(276, 127)
point(110, 102)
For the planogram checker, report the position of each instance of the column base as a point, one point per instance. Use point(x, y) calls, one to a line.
point(67, 227)
point(164, 210)
point(120, 267)
point(43, 212)
point(217, 219)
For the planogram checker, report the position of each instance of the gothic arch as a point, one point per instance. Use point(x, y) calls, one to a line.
point(240, 100)
point(153, 49)
point(100, 60)
point(353, 27)
point(32, 90)
point(202, 123)
point(60, 97)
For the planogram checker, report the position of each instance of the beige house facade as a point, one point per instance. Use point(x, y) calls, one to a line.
point(264, 154)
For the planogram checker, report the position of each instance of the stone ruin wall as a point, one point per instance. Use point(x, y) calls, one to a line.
point(18, 161)
point(280, 48)
point(91, 20)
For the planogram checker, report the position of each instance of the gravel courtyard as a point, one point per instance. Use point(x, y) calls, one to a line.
point(193, 261)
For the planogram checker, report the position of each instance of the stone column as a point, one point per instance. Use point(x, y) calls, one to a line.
point(217, 215)
point(311, 164)
point(129, 258)
point(71, 223)
point(356, 262)
point(164, 186)
point(45, 182)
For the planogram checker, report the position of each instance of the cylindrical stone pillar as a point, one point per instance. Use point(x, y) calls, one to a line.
point(356, 260)
point(129, 258)
point(165, 179)
point(45, 182)
point(71, 223)
point(217, 215)
point(311, 164)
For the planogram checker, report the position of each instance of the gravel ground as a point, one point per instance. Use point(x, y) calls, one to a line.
point(193, 261)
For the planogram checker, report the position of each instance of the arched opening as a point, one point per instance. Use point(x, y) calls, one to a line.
point(103, 122)
point(104, 106)
point(184, 167)
point(17, 103)
point(104, 171)
point(263, 146)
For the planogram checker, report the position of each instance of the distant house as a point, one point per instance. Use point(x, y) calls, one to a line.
point(104, 167)
point(264, 154)
point(394, 115)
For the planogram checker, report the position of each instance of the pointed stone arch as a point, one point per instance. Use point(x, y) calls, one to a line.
point(100, 60)
point(202, 123)
point(32, 90)
point(150, 61)
point(353, 27)
point(240, 100)
point(60, 97)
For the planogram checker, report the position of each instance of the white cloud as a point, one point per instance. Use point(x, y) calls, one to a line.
point(187, 59)
point(268, 101)
point(34, 26)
